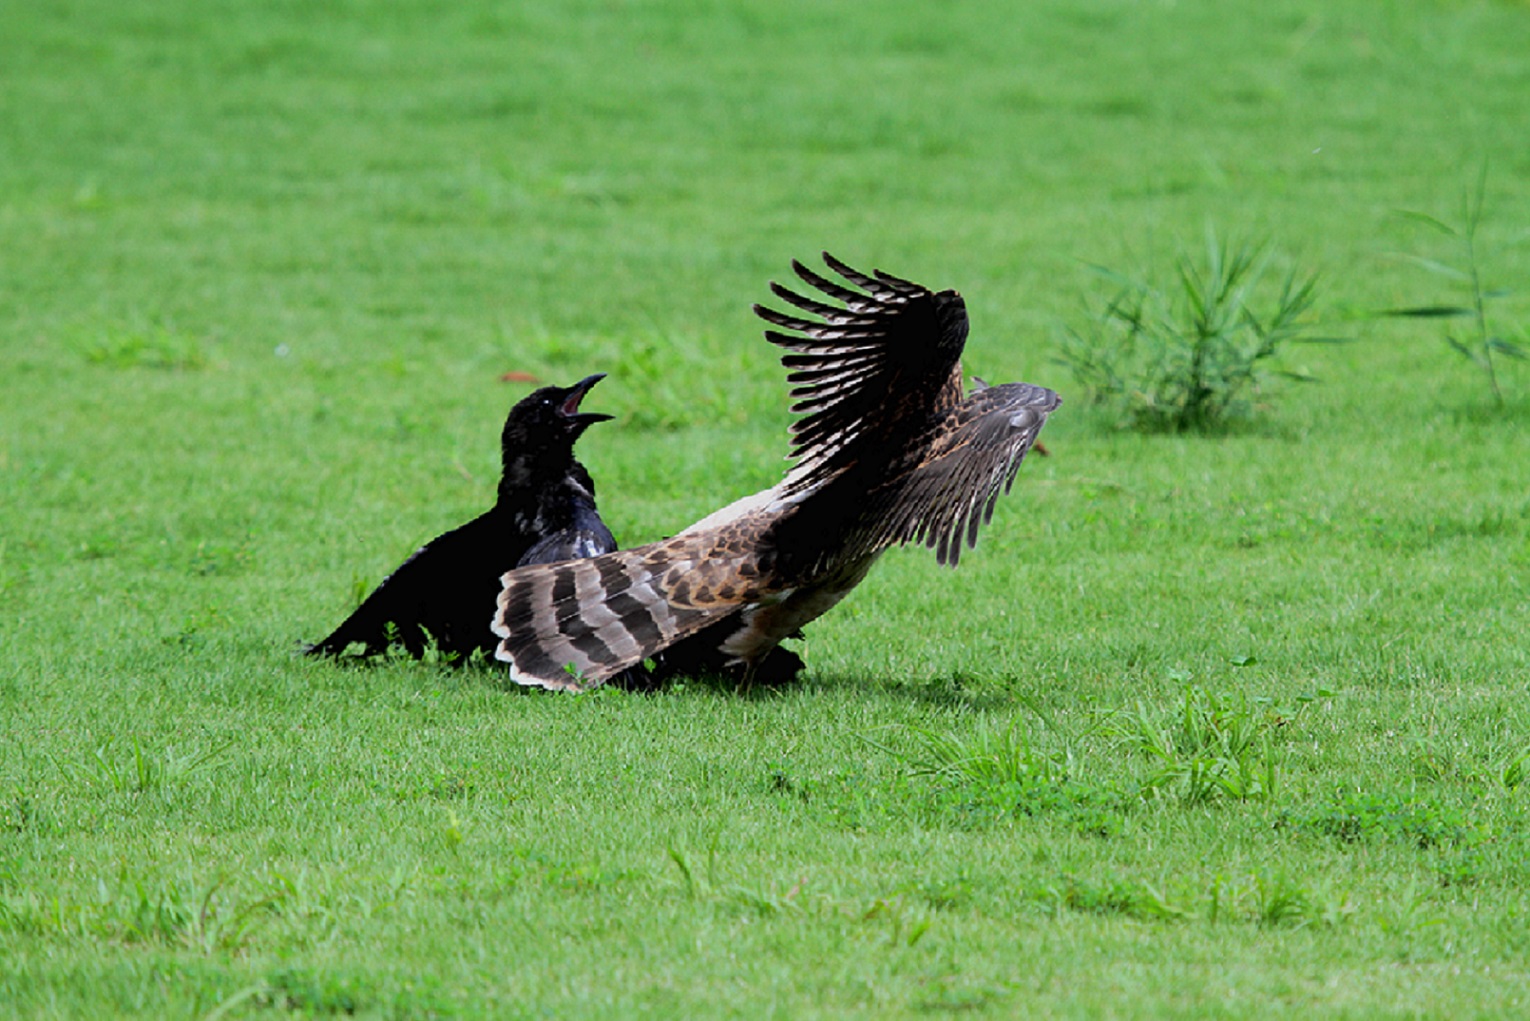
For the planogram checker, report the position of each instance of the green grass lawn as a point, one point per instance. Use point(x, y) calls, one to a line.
point(1207, 726)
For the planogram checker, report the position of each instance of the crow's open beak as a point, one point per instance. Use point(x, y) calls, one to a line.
point(570, 406)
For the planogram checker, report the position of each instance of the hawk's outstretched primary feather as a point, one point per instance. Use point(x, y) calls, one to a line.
point(887, 450)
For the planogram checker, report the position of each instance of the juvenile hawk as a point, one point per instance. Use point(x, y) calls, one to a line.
point(888, 450)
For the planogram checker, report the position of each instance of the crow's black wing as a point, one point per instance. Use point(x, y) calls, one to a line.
point(586, 536)
point(446, 590)
point(860, 371)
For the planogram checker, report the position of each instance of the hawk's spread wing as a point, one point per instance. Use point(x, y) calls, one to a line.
point(973, 458)
point(881, 361)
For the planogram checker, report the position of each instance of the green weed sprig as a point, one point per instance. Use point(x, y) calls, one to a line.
point(1483, 343)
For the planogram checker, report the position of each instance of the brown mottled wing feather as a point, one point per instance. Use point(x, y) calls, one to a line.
point(860, 370)
point(944, 500)
point(573, 625)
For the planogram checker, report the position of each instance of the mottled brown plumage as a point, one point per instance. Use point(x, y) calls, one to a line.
point(887, 450)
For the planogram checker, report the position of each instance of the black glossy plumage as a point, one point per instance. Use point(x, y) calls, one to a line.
point(545, 512)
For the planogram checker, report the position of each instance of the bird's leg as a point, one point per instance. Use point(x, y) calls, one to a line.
point(746, 679)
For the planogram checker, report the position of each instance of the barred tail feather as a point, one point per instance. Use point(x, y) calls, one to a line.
point(573, 625)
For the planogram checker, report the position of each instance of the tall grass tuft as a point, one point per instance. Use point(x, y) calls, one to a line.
point(1189, 356)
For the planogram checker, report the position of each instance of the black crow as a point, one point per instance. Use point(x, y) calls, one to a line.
point(545, 511)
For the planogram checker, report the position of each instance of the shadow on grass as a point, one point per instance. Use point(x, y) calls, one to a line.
point(955, 690)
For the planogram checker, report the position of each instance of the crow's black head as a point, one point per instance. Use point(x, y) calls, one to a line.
point(542, 427)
